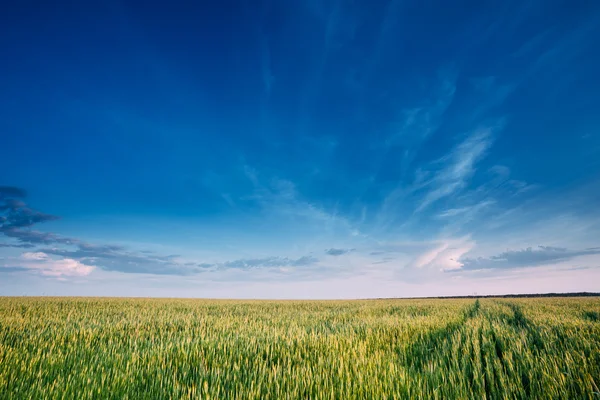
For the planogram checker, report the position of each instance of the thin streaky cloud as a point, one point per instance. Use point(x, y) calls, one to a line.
point(457, 167)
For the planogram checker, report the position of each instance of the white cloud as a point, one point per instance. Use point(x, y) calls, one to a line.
point(458, 167)
point(43, 263)
point(445, 256)
point(430, 256)
point(467, 212)
point(38, 256)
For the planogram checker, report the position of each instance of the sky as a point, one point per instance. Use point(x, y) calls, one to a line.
point(299, 149)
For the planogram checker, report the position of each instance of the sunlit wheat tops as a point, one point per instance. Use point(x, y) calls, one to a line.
point(435, 349)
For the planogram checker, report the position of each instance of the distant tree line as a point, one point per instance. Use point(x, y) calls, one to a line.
point(574, 294)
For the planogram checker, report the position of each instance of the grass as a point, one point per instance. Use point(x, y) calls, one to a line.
point(83, 348)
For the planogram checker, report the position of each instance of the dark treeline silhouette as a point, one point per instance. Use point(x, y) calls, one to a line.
point(474, 296)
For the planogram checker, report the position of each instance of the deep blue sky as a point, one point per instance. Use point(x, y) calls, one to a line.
point(300, 148)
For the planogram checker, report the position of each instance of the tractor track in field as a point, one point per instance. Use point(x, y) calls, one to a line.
point(422, 352)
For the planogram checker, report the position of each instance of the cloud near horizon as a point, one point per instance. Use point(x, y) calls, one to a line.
point(78, 257)
point(45, 265)
point(529, 257)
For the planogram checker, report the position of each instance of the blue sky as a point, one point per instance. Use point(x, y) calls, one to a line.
point(299, 149)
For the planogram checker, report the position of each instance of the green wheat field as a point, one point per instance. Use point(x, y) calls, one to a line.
point(85, 348)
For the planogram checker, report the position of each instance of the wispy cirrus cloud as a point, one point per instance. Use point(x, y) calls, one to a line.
point(444, 256)
point(457, 167)
point(412, 127)
point(279, 199)
point(466, 212)
point(417, 123)
point(444, 178)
